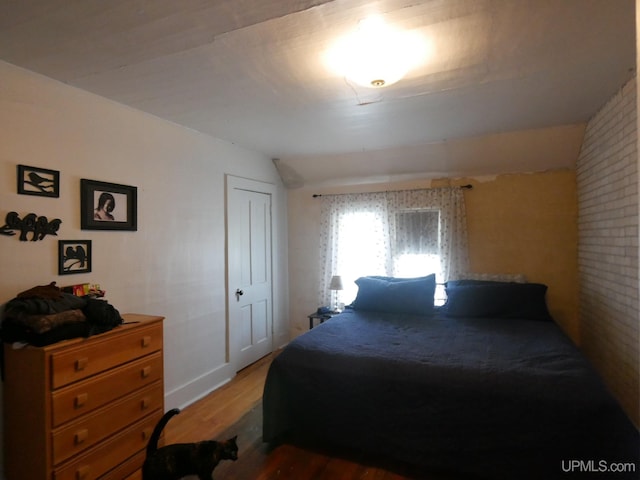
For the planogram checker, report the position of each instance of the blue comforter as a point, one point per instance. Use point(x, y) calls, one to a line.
point(499, 398)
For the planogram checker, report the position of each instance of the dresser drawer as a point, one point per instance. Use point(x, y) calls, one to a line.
point(79, 435)
point(80, 398)
point(129, 470)
point(97, 356)
point(97, 461)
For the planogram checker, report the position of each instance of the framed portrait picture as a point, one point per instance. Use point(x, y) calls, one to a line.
point(74, 256)
point(38, 181)
point(108, 206)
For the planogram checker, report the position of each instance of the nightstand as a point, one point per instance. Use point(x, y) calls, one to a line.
point(320, 316)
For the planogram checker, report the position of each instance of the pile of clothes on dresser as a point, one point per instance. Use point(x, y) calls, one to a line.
point(45, 314)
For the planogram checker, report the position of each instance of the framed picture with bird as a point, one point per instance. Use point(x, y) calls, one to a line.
point(38, 181)
point(74, 256)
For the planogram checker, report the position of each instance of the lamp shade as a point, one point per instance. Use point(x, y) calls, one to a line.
point(336, 283)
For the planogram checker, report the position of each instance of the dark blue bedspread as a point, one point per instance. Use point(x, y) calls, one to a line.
point(500, 398)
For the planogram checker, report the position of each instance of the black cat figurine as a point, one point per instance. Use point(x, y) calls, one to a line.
point(178, 460)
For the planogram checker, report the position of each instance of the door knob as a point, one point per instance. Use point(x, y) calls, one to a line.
point(239, 293)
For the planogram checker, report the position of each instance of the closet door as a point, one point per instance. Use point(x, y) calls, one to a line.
point(250, 297)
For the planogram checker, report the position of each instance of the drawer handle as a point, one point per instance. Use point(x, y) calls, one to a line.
point(146, 371)
point(146, 341)
point(146, 433)
point(80, 400)
point(144, 404)
point(81, 364)
point(81, 436)
point(82, 473)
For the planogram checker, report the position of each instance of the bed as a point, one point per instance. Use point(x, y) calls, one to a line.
point(487, 385)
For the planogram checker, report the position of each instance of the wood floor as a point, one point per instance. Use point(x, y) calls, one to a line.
point(215, 413)
point(211, 416)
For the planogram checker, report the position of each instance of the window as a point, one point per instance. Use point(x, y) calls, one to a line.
point(401, 234)
point(414, 248)
point(359, 244)
point(416, 242)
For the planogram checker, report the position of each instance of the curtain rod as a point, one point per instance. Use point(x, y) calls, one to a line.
point(467, 187)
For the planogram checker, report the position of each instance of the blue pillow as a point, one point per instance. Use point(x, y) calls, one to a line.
point(428, 278)
point(460, 283)
point(393, 295)
point(497, 300)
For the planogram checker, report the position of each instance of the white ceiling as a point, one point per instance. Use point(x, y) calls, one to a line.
point(252, 72)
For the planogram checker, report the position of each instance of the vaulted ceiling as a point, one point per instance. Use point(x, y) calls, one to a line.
point(509, 81)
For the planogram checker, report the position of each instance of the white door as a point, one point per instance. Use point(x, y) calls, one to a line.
point(249, 270)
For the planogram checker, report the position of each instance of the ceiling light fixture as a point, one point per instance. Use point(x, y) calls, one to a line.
point(376, 55)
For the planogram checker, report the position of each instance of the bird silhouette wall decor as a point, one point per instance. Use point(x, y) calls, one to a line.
point(38, 226)
point(38, 181)
point(74, 256)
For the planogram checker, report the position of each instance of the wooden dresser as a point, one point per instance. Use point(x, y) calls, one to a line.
point(84, 409)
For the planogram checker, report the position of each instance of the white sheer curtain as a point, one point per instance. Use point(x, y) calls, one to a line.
point(406, 233)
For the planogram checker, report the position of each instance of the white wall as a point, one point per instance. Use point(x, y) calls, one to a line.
point(174, 265)
point(607, 183)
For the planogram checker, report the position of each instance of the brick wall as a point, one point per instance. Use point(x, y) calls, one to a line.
point(607, 186)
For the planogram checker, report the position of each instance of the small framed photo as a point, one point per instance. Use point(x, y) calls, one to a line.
point(74, 256)
point(108, 206)
point(38, 181)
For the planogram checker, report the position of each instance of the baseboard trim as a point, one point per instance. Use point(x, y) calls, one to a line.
point(199, 387)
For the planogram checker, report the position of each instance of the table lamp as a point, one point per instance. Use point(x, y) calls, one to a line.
point(334, 286)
